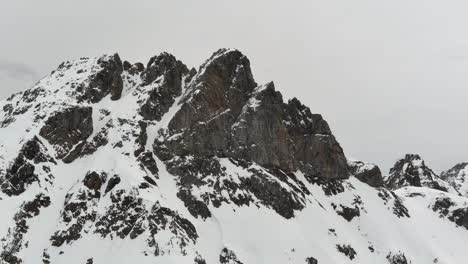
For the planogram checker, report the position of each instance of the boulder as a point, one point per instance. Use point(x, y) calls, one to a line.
point(366, 172)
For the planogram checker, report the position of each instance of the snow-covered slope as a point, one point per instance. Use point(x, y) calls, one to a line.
point(111, 162)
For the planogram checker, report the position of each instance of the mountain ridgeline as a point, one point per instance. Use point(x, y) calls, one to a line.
point(105, 161)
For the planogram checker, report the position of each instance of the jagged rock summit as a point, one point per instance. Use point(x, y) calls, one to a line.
point(457, 177)
point(105, 161)
point(413, 171)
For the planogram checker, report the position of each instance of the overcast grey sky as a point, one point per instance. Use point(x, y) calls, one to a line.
point(391, 77)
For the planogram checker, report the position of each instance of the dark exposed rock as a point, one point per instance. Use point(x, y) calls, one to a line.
point(347, 250)
point(140, 141)
point(94, 181)
point(366, 172)
point(126, 65)
point(404, 173)
point(127, 216)
point(133, 69)
point(228, 257)
point(454, 171)
point(121, 216)
point(457, 177)
point(144, 185)
point(163, 91)
point(15, 241)
point(412, 171)
point(195, 207)
point(80, 209)
point(150, 180)
point(397, 206)
point(27, 97)
point(260, 185)
point(397, 258)
point(311, 260)
point(442, 205)
point(272, 194)
point(147, 160)
point(106, 81)
point(330, 186)
point(112, 183)
point(448, 208)
point(33, 150)
point(67, 128)
point(199, 260)
point(45, 257)
point(18, 177)
point(89, 147)
point(348, 213)
point(223, 114)
point(22, 172)
point(460, 217)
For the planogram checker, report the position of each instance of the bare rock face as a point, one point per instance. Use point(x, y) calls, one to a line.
point(412, 171)
point(67, 128)
point(22, 171)
point(397, 258)
point(448, 208)
point(106, 81)
point(223, 113)
point(16, 241)
point(288, 136)
point(457, 177)
point(163, 75)
point(366, 172)
point(223, 84)
point(228, 257)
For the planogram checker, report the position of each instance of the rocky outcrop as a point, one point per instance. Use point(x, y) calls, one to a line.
point(133, 69)
point(106, 81)
point(366, 172)
point(23, 171)
point(398, 258)
point(163, 77)
point(347, 250)
point(457, 177)
point(412, 171)
point(224, 113)
point(453, 211)
point(15, 239)
point(288, 136)
point(67, 128)
point(228, 257)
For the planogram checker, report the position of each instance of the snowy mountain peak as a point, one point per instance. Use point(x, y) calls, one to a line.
point(105, 161)
point(457, 177)
point(413, 171)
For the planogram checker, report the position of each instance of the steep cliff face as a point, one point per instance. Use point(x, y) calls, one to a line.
point(224, 113)
point(105, 161)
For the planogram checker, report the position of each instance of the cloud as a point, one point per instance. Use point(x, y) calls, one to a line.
point(14, 77)
point(16, 70)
